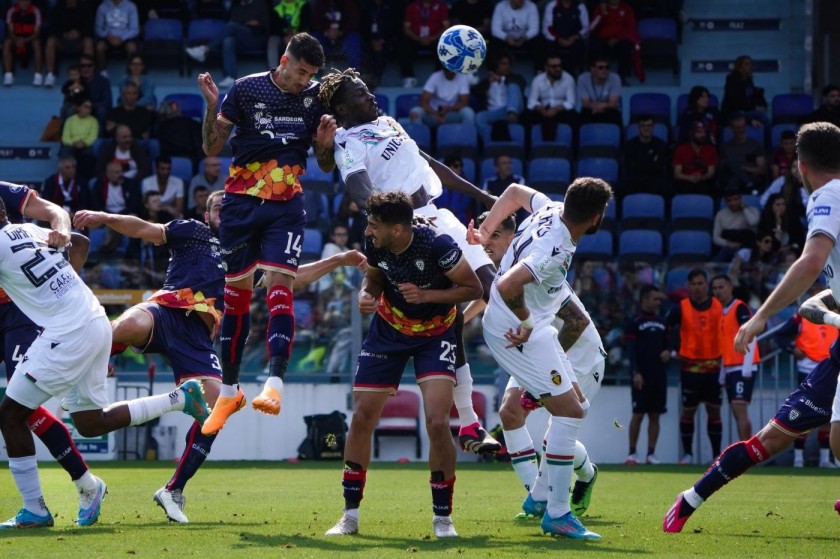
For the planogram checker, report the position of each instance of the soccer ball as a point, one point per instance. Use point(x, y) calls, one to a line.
point(461, 49)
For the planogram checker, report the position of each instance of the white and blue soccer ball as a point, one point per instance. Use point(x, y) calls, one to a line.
point(461, 49)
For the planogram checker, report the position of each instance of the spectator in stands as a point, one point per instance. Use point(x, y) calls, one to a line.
point(154, 9)
point(784, 156)
point(114, 193)
point(247, 29)
point(551, 100)
point(73, 89)
point(211, 178)
point(356, 220)
point(78, 135)
point(791, 186)
point(117, 28)
point(500, 92)
point(599, 92)
point(339, 236)
point(785, 226)
point(445, 98)
point(742, 158)
point(461, 205)
point(614, 32)
point(23, 39)
point(735, 226)
point(646, 161)
point(695, 163)
point(153, 209)
point(423, 24)
point(754, 266)
point(207, 9)
point(565, 28)
point(829, 111)
point(67, 188)
point(98, 87)
point(475, 13)
point(136, 74)
point(70, 32)
point(336, 26)
point(503, 178)
point(740, 94)
point(698, 108)
point(381, 35)
point(128, 112)
point(132, 157)
point(287, 18)
point(179, 136)
point(515, 27)
point(198, 203)
point(171, 188)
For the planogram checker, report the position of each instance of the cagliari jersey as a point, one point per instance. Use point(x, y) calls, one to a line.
point(588, 350)
point(823, 214)
point(42, 283)
point(389, 155)
point(543, 245)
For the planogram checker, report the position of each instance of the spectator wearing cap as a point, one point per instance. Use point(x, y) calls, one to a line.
point(695, 163)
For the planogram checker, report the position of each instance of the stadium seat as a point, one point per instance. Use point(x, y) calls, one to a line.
point(561, 146)
point(313, 244)
point(659, 130)
point(383, 102)
point(488, 169)
point(600, 167)
point(515, 147)
point(776, 133)
point(469, 169)
point(659, 43)
point(479, 401)
point(599, 140)
point(643, 211)
point(692, 211)
point(457, 139)
point(640, 245)
point(225, 164)
point(657, 105)
point(111, 276)
point(163, 39)
point(191, 104)
point(549, 174)
point(317, 207)
point(609, 221)
point(182, 167)
point(596, 247)
point(404, 104)
point(420, 133)
point(689, 246)
point(400, 418)
point(791, 107)
point(682, 102)
point(317, 180)
point(676, 280)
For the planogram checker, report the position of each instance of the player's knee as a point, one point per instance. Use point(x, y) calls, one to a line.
point(511, 414)
point(437, 424)
point(364, 418)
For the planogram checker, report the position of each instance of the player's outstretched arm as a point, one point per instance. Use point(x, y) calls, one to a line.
point(314, 271)
point(214, 130)
point(821, 309)
point(325, 143)
point(372, 286)
point(514, 197)
point(456, 183)
point(44, 210)
point(128, 225)
point(79, 250)
point(359, 188)
point(473, 309)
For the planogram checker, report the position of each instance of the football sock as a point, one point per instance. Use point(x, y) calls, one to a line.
point(281, 327)
point(651, 450)
point(693, 499)
point(25, 473)
point(799, 443)
point(539, 492)
point(353, 482)
point(714, 428)
point(559, 457)
point(735, 460)
point(582, 464)
point(144, 409)
point(632, 450)
point(275, 382)
point(229, 390)
point(824, 439)
point(687, 433)
point(462, 395)
point(196, 451)
point(236, 323)
point(86, 482)
point(523, 457)
point(442, 490)
point(55, 435)
point(825, 455)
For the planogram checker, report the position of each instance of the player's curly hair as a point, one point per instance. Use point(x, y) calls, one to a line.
point(331, 86)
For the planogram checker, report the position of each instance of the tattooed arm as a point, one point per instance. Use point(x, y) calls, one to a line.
point(511, 287)
point(821, 309)
point(214, 132)
point(574, 323)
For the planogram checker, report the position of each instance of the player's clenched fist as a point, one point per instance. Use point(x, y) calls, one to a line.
point(367, 304)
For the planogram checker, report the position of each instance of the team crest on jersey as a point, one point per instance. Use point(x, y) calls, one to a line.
point(793, 415)
point(307, 102)
point(556, 378)
point(420, 264)
point(15, 188)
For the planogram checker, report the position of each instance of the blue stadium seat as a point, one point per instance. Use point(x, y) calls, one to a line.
point(659, 130)
point(659, 43)
point(599, 140)
point(200, 32)
point(640, 245)
point(549, 174)
point(457, 139)
point(600, 167)
point(383, 102)
point(304, 310)
point(596, 247)
point(676, 280)
point(182, 167)
point(163, 38)
point(96, 236)
point(317, 207)
point(692, 211)
point(469, 169)
point(610, 216)
point(225, 164)
point(682, 102)
point(643, 211)
point(317, 180)
point(313, 243)
point(689, 246)
point(488, 169)
point(110, 276)
point(191, 104)
point(776, 133)
point(657, 105)
point(561, 146)
point(791, 107)
point(420, 133)
point(404, 104)
point(515, 147)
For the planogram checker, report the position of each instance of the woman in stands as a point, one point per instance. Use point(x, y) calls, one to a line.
point(699, 109)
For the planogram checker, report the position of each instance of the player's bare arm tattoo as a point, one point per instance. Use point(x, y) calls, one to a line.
point(326, 161)
point(574, 323)
point(815, 308)
point(515, 302)
point(213, 135)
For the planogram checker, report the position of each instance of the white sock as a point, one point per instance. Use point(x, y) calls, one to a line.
point(352, 513)
point(582, 464)
point(539, 492)
point(523, 457)
point(797, 454)
point(276, 383)
point(145, 409)
point(559, 457)
point(229, 390)
point(463, 395)
point(86, 482)
point(692, 498)
point(25, 473)
point(824, 455)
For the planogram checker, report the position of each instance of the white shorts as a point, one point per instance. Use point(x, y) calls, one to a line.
point(541, 368)
point(73, 366)
point(588, 382)
point(447, 223)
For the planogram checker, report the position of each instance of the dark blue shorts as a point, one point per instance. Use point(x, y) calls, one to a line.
point(738, 388)
point(183, 339)
point(256, 232)
point(18, 334)
point(700, 387)
point(385, 353)
point(653, 396)
point(808, 408)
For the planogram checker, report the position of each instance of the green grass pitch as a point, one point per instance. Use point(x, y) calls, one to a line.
point(259, 509)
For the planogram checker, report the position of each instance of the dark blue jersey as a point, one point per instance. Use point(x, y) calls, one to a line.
point(646, 338)
point(424, 263)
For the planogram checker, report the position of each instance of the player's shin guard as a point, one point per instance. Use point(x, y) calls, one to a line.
point(523, 457)
point(442, 490)
point(55, 435)
point(539, 491)
point(353, 482)
point(196, 451)
point(735, 460)
point(281, 329)
point(559, 457)
point(687, 433)
point(236, 323)
point(584, 470)
point(714, 428)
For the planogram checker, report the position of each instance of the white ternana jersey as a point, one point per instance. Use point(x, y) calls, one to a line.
point(823, 213)
point(42, 283)
point(588, 350)
point(544, 246)
point(389, 155)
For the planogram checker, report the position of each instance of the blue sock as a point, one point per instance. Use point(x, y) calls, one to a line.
point(56, 437)
point(196, 451)
point(735, 460)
